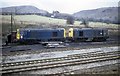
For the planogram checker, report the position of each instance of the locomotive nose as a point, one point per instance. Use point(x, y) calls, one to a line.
point(18, 34)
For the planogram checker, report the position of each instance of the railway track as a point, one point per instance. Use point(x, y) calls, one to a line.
point(70, 47)
point(74, 59)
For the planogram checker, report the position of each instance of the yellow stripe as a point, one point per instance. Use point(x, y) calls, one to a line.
point(18, 34)
point(64, 32)
point(71, 32)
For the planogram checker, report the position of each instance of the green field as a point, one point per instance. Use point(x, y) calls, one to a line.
point(41, 20)
point(20, 21)
point(33, 19)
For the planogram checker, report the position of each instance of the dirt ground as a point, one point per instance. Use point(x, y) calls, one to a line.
point(108, 69)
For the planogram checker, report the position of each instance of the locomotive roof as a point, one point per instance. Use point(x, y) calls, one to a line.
point(82, 28)
point(89, 28)
point(41, 28)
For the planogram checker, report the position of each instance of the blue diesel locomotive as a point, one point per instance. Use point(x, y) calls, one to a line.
point(88, 34)
point(44, 34)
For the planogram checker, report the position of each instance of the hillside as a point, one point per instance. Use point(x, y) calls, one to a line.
point(24, 10)
point(108, 14)
point(31, 10)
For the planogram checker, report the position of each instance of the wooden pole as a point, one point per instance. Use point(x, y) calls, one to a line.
point(11, 23)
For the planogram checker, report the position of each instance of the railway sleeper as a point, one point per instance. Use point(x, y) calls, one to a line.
point(76, 56)
point(59, 64)
point(80, 59)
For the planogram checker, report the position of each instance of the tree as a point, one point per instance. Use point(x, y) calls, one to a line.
point(85, 22)
point(70, 20)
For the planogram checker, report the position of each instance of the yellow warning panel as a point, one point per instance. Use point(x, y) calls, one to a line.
point(64, 33)
point(18, 34)
point(71, 32)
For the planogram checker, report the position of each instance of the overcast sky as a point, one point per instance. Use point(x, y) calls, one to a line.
point(63, 6)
